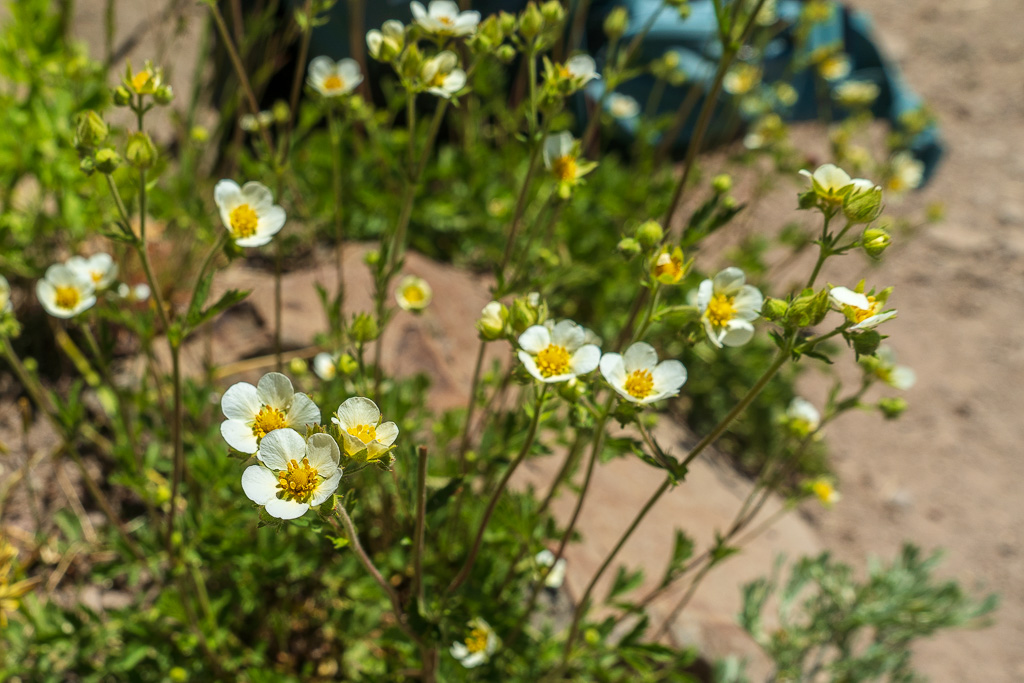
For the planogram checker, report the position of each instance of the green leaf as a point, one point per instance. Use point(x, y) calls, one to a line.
point(682, 550)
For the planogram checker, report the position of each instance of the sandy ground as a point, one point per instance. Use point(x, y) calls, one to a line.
point(947, 475)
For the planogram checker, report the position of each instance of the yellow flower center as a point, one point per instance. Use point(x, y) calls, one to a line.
point(721, 310)
point(477, 640)
point(243, 221)
point(67, 297)
point(861, 314)
point(267, 420)
point(299, 482)
point(438, 80)
point(824, 491)
point(414, 295)
point(553, 360)
point(669, 268)
point(564, 168)
point(447, 21)
point(563, 71)
point(639, 384)
point(365, 433)
point(96, 276)
point(334, 82)
point(141, 80)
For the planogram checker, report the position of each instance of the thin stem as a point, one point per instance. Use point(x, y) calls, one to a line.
point(297, 80)
point(421, 518)
point(463, 574)
point(278, 306)
point(531, 168)
point(471, 406)
point(339, 230)
point(179, 452)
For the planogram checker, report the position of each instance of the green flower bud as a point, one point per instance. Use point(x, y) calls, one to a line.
point(616, 23)
point(199, 134)
point(874, 241)
point(808, 309)
point(531, 21)
point(892, 408)
point(505, 53)
point(87, 165)
point(91, 130)
point(347, 365)
point(140, 151)
point(571, 391)
point(411, 61)
point(729, 203)
point(107, 160)
point(121, 96)
point(527, 311)
point(650, 234)
point(722, 183)
point(364, 328)
point(491, 324)
point(629, 247)
point(163, 95)
point(372, 257)
point(280, 111)
point(507, 22)
point(774, 309)
point(297, 367)
point(863, 206)
point(553, 12)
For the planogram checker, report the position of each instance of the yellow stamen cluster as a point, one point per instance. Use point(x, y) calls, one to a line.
point(721, 310)
point(66, 297)
point(477, 640)
point(639, 384)
point(553, 360)
point(414, 294)
point(365, 433)
point(141, 80)
point(824, 491)
point(299, 482)
point(438, 80)
point(333, 82)
point(859, 315)
point(267, 420)
point(564, 168)
point(243, 221)
point(668, 267)
point(447, 21)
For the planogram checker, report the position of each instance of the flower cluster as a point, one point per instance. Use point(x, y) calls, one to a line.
point(69, 288)
point(294, 473)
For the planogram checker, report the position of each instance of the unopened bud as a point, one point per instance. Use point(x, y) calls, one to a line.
point(722, 183)
point(347, 365)
point(371, 257)
point(531, 21)
point(553, 12)
point(140, 151)
point(650, 234)
point(163, 95)
point(87, 165)
point(91, 130)
point(629, 247)
point(364, 328)
point(121, 96)
point(107, 160)
point(774, 309)
point(491, 324)
point(863, 206)
point(874, 241)
point(616, 23)
point(507, 22)
point(892, 408)
point(505, 53)
point(297, 367)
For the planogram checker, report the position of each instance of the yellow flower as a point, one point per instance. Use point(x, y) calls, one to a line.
point(10, 592)
point(825, 492)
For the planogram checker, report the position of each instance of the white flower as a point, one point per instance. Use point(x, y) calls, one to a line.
point(250, 123)
point(248, 212)
point(331, 78)
point(638, 376)
point(728, 306)
point(361, 429)
point(556, 575)
point(905, 173)
point(622, 106)
point(883, 365)
point(741, 79)
point(388, 42)
point(413, 294)
point(443, 18)
point(100, 268)
point(325, 366)
point(863, 310)
point(581, 69)
point(139, 292)
point(253, 412)
point(804, 419)
point(561, 157)
point(295, 473)
point(441, 76)
point(5, 296)
point(478, 646)
point(558, 354)
point(65, 292)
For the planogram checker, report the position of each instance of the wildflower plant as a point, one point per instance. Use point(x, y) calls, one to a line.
point(337, 521)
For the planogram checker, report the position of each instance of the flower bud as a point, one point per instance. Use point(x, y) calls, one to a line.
point(629, 247)
point(505, 53)
point(616, 23)
point(892, 408)
point(364, 328)
point(140, 151)
point(297, 367)
point(863, 206)
point(553, 12)
point(571, 391)
point(808, 309)
point(650, 234)
point(91, 130)
point(121, 96)
point(371, 257)
point(527, 311)
point(346, 364)
point(107, 160)
point(874, 241)
point(491, 324)
point(774, 309)
point(87, 165)
point(163, 95)
point(531, 21)
point(507, 22)
point(721, 183)
point(280, 111)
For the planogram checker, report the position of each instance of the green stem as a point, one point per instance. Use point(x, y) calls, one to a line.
point(339, 230)
point(421, 517)
point(467, 566)
point(524, 190)
point(471, 406)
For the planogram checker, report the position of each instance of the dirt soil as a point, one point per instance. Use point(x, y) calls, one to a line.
point(948, 474)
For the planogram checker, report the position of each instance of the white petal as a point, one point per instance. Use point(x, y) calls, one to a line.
point(227, 195)
point(327, 487)
point(275, 390)
point(902, 377)
point(714, 336)
point(748, 302)
point(323, 453)
point(585, 359)
point(847, 297)
point(239, 435)
point(302, 412)
point(281, 446)
point(455, 81)
point(535, 339)
point(387, 433)
point(418, 11)
point(531, 365)
point(259, 484)
point(639, 356)
point(704, 293)
point(358, 411)
point(831, 177)
point(285, 509)
point(613, 369)
point(737, 332)
point(728, 281)
point(258, 196)
point(669, 377)
point(568, 334)
point(271, 222)
point(321, 67)
point(241, 402)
